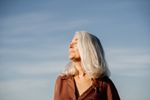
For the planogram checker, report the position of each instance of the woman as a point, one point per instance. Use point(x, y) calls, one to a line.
point(86, 76)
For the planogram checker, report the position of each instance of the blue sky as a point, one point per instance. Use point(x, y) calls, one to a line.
point(35, 34)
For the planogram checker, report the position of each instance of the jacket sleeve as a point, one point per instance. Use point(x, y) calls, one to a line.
point(57, 89)
point(112, 93)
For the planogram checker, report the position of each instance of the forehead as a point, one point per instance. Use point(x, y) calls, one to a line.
point(75, 37)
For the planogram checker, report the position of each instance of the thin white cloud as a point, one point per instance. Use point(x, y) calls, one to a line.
point(129, 61)
point(37, 23)
point(32, 70)
point(121, 61)
point(20, 89)
point(43, 69)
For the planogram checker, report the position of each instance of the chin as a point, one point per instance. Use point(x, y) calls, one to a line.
point(71, 58)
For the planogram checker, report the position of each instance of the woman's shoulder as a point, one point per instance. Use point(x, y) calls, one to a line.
point(105, 81)
point(62, 80)
point(107, 84)
point(64, 77)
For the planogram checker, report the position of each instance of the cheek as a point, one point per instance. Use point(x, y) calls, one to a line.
point(77, 53)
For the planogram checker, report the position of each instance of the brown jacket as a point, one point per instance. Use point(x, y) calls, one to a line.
point(101, 89)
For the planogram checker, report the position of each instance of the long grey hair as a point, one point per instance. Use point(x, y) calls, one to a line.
point(92, 57)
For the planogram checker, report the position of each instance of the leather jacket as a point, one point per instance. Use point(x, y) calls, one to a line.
point(101, 89)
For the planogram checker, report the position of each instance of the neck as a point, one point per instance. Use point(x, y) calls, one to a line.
point(79, 68)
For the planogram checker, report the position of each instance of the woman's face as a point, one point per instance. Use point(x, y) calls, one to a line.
point(73, 49)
